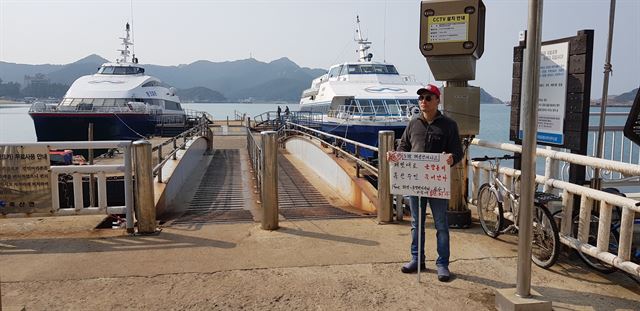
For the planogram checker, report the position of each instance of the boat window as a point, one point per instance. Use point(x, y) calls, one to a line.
point(392, 105)
point(153, 102)
point(119, 70)
point(107, 70)
point(75, 101)
point(365, 106)
point(372, 68)
point(87, 101)
point(171, 105)
point(343, 70)
point(98, 102)
point(352, 107)
point(109, 102)
point(366, 68)
point(334, 72)
point(151, 83)
point(354, 69)
point(66, 102)
point(378, 106)
point(120, 102)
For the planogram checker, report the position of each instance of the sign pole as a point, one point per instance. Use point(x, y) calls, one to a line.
point(419, 234)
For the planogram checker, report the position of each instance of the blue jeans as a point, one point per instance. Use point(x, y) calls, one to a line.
point(439, 211)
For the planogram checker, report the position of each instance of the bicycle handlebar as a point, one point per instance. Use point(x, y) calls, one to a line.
point(487, 158)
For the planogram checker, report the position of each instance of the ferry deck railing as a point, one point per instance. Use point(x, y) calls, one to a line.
point(78, 172)
point(588, 197)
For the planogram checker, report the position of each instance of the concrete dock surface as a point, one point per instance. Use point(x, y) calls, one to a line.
point(339, 264)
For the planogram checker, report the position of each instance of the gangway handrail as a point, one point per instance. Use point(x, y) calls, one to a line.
point(361, 162)
point(255, 155)
point(353, 142)
point(200, 128)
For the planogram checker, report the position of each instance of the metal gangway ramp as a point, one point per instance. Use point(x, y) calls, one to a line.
point(228, 191)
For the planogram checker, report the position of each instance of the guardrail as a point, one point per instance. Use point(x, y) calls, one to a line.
point(79, 171)
point(255, 155)
point(587, 196)
point(200, 129)
point(338, 141)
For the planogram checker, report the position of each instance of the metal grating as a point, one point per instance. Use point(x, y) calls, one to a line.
point(220, 195)
point(299, 199)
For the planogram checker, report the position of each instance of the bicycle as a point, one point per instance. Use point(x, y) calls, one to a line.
point(490, 204)
point(614, 236)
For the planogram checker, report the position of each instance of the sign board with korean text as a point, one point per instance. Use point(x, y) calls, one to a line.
point(25, 179)
point(420, 174)
point(552, 94)
point(564, 95)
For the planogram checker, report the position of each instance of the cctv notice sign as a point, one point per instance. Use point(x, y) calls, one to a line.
point(448, 28)
point(420, 174)
point(25, 182)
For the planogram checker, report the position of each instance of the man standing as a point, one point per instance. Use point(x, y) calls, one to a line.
point(431, 132)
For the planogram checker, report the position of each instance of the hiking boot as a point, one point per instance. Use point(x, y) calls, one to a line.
point(412, 267)
point(443, 274)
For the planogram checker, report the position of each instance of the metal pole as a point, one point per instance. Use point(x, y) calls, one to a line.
point(209, 140)
point(529, 144)
point(144, 197)
point(128, 187)
point(269, 191)
point(605, 94)
point(385, 143)
point(419, 235)
point(160, 159)
point(92, 190)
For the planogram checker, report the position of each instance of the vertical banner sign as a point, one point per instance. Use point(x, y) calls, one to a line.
point(448, 28)
point(420, 174)
point(25, 182)
point(554, 59)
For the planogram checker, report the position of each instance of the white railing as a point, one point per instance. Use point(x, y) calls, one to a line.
point(79, 171)
point(587, 196)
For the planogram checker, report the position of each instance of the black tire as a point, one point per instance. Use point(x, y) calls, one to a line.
point(594, 263)
point(490, 212)
point(545, 245)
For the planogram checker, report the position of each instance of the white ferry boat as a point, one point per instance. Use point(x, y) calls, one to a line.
point(357, 99)
point(121, 101)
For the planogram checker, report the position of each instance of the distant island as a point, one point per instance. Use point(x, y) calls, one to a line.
point(246, 81)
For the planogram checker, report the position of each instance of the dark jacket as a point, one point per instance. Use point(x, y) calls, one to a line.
point(440, 136)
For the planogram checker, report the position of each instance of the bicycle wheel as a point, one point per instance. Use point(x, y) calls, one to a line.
point(592, 262)
point(546, 241)
point(489, 211)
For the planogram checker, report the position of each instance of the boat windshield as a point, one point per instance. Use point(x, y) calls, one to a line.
point(120, 70)
point(371, 69)
point(378, 107)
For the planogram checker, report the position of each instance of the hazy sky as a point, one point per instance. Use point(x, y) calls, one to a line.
point(312, 33)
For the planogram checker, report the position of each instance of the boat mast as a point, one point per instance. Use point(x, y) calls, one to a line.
point(126, 41)
point(363, 44)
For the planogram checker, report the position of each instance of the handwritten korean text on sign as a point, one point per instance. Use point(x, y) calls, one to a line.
point(420, 174)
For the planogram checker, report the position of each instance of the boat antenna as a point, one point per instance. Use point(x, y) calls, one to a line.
point(363, 44)
point(384, 34)
point(134, 59)
point(126, 41)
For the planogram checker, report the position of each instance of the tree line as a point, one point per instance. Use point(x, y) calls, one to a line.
point(40, 90)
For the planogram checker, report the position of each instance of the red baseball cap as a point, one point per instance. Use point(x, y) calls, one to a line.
point(430, 88)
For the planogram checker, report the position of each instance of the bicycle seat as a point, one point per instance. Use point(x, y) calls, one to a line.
point(543, 197)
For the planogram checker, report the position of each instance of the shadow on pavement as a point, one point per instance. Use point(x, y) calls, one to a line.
point(109, 244)
point(326, 236)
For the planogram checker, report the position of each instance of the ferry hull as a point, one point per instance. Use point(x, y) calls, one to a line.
point(366, 134)
point(74, 127)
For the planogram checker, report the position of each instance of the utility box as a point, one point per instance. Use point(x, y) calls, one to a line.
point(462, 104)
point(452, 37)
